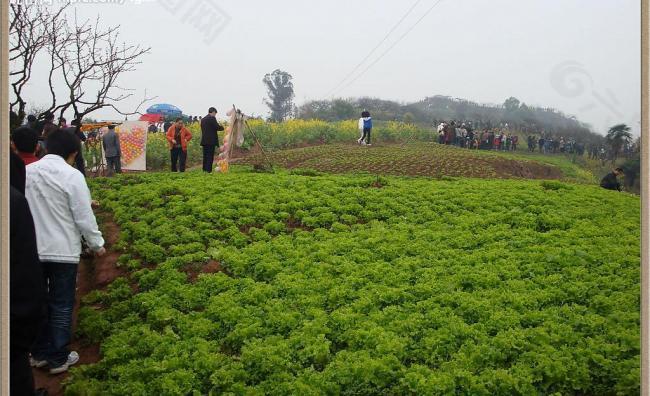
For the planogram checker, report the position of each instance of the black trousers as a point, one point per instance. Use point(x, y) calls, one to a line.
point(208, 158)
point(20, 372)
point(366, 135)
point(178, 158)
point(113, 165)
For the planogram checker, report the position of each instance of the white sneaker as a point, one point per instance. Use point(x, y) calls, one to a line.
point(37, 363)
point(73, 358)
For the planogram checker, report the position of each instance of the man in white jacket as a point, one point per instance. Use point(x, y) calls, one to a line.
point(60, 203)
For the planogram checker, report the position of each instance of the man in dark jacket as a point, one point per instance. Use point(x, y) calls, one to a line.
point(32, 121)
point(112, 151)
point(80, 163)
point(610, 182)
point(44, 127)
point(209, 138)
point(17, 172)
point(48, 124)
point(27, 297)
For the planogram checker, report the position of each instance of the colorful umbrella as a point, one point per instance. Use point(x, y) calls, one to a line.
point(152, 117)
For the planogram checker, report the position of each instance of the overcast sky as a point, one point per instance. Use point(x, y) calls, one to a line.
point(579, 56)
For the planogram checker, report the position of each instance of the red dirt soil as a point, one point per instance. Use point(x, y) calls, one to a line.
point(96, 273)
point(193, 270)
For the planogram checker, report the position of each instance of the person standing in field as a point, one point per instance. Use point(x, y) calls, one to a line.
point(441, 132)
point(531, 143)
point(43, 128)
point(450, 133)
point(549, 143)
point(75, 128)
point(48, 125)
point(460, 136)
point(367, 128)
point(209, 138)
point(27, 297)
point(112, 151)
point(490, 141)
point(60, 204)
point(360, 126)
point(178, 136)
point(470, 138)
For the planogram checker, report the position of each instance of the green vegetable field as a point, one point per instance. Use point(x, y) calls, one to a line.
point(314, 284)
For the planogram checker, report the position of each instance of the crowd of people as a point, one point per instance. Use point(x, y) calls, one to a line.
point(465, 136)
point(163, 126)
point(52, 224)
point(604, 154)
point(51, 213)
point(551, 145)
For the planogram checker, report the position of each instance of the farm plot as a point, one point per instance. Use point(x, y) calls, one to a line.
point(413, 159)
point(339, 285)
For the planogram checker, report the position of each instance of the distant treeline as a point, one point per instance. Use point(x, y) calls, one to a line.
point(432, 110)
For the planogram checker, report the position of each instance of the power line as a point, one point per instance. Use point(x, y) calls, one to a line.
point(374, 49)
point(392, 46)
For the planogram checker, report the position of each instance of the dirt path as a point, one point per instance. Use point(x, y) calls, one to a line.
point(93, 274)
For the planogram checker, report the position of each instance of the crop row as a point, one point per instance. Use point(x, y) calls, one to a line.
point(410, 159)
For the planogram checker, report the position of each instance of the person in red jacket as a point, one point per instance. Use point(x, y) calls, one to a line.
point(178, 136)
point(24, 141)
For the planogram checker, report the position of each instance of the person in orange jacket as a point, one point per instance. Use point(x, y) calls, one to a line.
point(178, 136)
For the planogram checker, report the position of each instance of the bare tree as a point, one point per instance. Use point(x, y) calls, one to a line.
point(84, 57)
point(29, 34)
point(90, 60)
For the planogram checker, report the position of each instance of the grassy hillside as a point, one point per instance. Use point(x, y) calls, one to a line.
point(364, 285)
